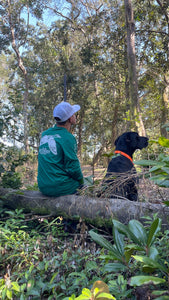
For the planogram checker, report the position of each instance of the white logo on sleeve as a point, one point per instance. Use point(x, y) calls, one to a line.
point(48, 139)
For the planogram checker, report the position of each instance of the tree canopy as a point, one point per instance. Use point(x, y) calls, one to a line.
point(115, 55)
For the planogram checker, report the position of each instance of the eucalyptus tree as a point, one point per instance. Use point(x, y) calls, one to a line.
point(4, 73)
point(15, 32)
point(164, 12)
point(87, 42)
point(47, 62)
point(133, 80)
point(77, 58)
point(152, 44)
point(54, 53)
point(102, 56)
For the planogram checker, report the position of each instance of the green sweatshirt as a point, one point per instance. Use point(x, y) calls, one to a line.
point(59, 171)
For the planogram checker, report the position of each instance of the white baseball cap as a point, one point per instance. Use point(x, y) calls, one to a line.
point(65, 110)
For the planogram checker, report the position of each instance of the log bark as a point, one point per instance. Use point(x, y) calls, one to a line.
point(93, 209)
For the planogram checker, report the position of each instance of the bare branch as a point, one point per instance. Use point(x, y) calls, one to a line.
point(75, 26)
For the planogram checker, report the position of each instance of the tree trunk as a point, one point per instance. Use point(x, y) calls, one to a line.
point(114, 125)
point(164, 108)
point(165, 99)
point(80, 127)
point(95, 210)
point(25, 75)
point(133, 84)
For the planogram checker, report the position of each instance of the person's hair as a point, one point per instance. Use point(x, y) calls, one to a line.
point(60, 122)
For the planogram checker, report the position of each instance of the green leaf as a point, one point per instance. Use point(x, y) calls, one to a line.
point(163, 142)
point(110, 154)
point(88, 180)
point(120, 227)
point(86, 292)
point(140, 280)
point(105, 244)
point(119, 241)
point(83, 297)
point(23, 287)
point(128, 253)
point(153, 253)
point(165, 159)
point(147, 269)
point(9, 294)
point(91, 265)
point(70, 298)
point(156, 167)
point(162, 298)
point(154, 228)
point(35, 256)
point(53, 277)
point(30, 284)
point(101, 240)
point(3, 293)
point(132, 247)
point(150, 262)
point(138, 231)
point(159, 293)
point(114, 267)
point(161, 157)
point(160, 180)
point(77, 274)
point(145, 162)
point(166, 203)
point(105, 295)
point(16, 286)
point(34, 292)
point(134, 231)
point(22, 297)
point(165, 169)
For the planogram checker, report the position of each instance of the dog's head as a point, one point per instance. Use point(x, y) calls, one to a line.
point(130, 141)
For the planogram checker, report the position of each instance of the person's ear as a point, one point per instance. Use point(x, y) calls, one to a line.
point(70, 120)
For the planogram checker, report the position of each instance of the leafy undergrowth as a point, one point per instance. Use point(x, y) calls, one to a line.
point(38, 260)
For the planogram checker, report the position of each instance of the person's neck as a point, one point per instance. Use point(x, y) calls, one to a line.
point(66, 126)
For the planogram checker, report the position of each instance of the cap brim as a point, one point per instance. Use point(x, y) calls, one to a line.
point(76, 108)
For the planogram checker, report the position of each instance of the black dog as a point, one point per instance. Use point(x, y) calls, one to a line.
point(125, 183)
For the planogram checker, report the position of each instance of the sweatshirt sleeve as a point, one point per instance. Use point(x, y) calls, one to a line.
point(71, 161)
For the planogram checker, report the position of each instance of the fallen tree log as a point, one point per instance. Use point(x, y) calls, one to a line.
point(72, 206)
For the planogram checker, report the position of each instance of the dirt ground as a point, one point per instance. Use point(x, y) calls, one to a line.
point(149, 192)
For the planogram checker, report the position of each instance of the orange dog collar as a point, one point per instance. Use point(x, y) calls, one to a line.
point(124, 154)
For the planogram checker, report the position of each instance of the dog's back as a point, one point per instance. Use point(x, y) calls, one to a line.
point(119, 164)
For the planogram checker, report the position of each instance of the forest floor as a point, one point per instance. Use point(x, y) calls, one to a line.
point(149, 192)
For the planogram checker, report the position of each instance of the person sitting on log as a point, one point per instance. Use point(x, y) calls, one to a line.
point(59, 170)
